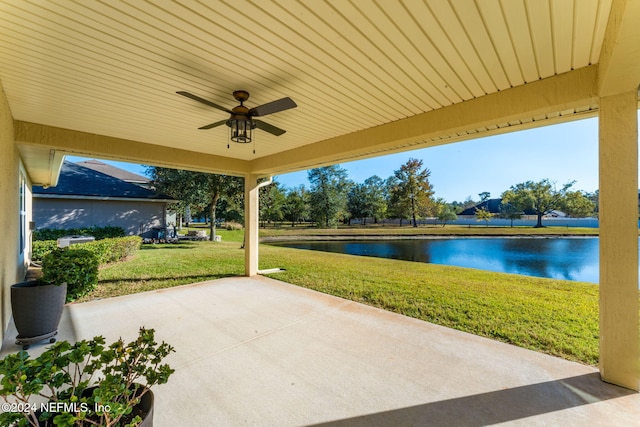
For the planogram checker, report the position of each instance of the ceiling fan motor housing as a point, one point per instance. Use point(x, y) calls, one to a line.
point(241, 95)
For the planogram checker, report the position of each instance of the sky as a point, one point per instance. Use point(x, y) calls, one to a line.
point(561, 153)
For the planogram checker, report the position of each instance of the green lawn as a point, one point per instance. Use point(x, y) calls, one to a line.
point(552, 316)
point(285, 230)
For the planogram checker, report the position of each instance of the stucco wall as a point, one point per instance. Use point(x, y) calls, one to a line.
point(135, 217)
point(12, 270)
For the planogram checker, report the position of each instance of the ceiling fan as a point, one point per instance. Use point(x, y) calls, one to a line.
point(242, 122)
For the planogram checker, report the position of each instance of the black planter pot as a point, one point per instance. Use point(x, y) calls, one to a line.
point(144, 409)
point(37, 310)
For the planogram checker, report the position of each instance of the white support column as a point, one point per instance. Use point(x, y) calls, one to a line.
point(251, 225)
point(619, 328)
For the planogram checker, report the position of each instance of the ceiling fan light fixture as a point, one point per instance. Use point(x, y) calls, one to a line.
point(241, 129)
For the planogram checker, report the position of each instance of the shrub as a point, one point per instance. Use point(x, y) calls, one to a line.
point(41, 248)
point(127, 246)
point(100, 248)
point(112, 250)
point(98, 232)
point(106, 250)
point(77, 268)
point(233, 226)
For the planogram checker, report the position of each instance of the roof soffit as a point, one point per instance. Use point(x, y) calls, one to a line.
point(574, 91)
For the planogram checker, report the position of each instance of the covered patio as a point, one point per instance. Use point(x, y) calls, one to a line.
point(99, 79)
point(257, 351)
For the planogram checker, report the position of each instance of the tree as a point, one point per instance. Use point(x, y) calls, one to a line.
point(508, 211)
point(397, 207)
point(594, 197)
point(197, 189)
point(578, 205)
point(484, 196)
point(376, 197)
point(367, 200)
point(483, 214)
point(230, 205)
point(356, 202)
point(294, 207)
point(328, 194)
point(541, 197)
point(271, 202)
point(413, 189)
point(444, 212)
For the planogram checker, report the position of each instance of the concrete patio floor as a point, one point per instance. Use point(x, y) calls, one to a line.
point(259, 352)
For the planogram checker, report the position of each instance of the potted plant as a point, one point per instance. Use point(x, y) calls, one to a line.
point(37, 305)
point(64, 376)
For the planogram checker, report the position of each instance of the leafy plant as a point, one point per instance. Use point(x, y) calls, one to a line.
point(64, 373)
point(78, 268)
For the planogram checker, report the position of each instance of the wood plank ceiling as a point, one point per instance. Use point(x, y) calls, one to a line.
point(112, 67)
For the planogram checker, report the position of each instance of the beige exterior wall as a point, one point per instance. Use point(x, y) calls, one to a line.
point(12, 261)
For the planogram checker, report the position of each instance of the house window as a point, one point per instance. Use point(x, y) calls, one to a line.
point(23, 213)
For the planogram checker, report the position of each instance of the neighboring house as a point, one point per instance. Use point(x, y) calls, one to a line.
point(126, 176)
point(493, 206)
point(85, 197)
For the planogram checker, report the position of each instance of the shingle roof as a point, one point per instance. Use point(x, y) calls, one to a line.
point(77, 180)
point(492, 205)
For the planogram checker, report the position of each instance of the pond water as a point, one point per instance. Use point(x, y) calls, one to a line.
point(557, 258)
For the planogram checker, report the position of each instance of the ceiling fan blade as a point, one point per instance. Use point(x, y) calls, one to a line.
point(269, 128)
point(204, 101)
point(212, 125)
point(272, 107)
